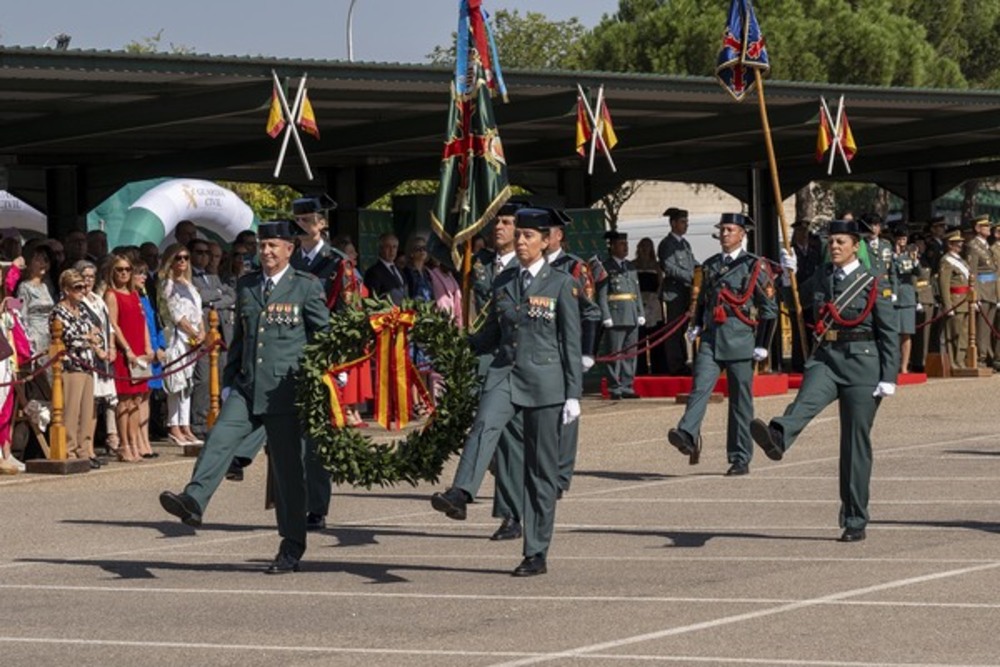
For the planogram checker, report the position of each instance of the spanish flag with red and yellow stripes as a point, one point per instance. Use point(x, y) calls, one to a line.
point(307, 117)
point(275, 119)
point(823, 138)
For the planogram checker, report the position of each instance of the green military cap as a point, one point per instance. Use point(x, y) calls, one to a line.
point(279, 229)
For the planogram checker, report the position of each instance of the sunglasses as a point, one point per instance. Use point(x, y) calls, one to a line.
point(78, 288)
point(181, 258)
point(421, 248)
point(123, 269)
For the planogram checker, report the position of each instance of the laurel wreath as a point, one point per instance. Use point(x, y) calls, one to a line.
point(351, 456)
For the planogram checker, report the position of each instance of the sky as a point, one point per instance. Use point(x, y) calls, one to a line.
point(383, 30)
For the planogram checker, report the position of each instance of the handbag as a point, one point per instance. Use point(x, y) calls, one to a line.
point(5, 348)
point(140, 373)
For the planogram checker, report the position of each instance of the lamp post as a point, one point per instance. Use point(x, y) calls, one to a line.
point(350, 31)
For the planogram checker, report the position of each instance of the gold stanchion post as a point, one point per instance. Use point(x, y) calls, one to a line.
point(214, 389)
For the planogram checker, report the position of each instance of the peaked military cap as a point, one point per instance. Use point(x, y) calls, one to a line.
point(313, 204)
point(279, 229)
point(801, 222)
point(844, 227)
point(937, 220)
point(981, 220)
point(675, 213)
point(513, 206)
point(739, 219)
point(954, 237)
point(613, 236)
point(539, 218)
point(900, 230)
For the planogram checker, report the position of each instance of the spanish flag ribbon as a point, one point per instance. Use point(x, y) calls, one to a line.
point(275, 118)
point(394, 370)
point(337, 416)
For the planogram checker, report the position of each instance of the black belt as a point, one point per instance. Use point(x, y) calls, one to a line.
point(847, 336)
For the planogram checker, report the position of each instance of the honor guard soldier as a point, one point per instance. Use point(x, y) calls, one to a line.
point(621, 314)
point(509, 455)
point(906, 271)
point(953, 286)
point(808, 256)
point(279, 311)
point(855, 362)
point(590, 326)
point(736, 283)
point(880, 252)
point(936, 246)
point(677, 262)
point(927, 302)
point(979, 258)
point(533, 329)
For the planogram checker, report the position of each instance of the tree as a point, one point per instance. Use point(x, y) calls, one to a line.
point(267, 200)
point(613, 201)
point(152, 45)
point(529, 42)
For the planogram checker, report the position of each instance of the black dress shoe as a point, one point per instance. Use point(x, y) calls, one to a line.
point(510, 529)
point(768, 438)
point(616, 397)
point(630, 394)
point(182, 506)
point(451, 503)
point(685, 444)
point(235, 471)
point(94, 463)
point(315, 522)
point(738, 469)
point(530, 566)
point(852, 535)
point(559, 494)
point(283, 564)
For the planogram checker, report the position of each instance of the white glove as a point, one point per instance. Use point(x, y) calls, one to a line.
point(641, 321)
point(225, 393)
point(975, 305)
point(920, 307)
point(693, 333)
point(893, 297)
point(571, 411)
point(341, 379)
point(789, 265)
point(884, 389)
point(608, 323)
point(588, 362)
point(759, 354)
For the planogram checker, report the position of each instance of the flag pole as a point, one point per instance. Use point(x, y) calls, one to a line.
point(597, 129)
point(291, 121)
point(786, 237)
point(284, 140)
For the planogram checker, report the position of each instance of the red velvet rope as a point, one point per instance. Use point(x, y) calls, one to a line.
point(647, 343)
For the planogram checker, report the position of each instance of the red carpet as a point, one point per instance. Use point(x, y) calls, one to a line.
point(795, 379)
point(668, 386)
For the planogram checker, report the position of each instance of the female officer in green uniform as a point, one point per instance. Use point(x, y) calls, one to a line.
point(855, 362)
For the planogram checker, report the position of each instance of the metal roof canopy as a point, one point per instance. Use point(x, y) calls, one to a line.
point(115, 117)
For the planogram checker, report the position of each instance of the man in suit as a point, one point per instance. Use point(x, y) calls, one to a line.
point(855, 362)
point(977, 255)
point(383, 278)
point(279, 310)
point(214, 296)
point(733, 337)
point(621, 315)
point(534, 326)
point(677, 262)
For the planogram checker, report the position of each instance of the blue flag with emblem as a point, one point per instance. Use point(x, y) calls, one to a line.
point(743, 50)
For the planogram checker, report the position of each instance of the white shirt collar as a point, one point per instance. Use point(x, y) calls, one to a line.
point(276, 278)
point(535, 267)
point(554, 255)
point(506, 258)
point(677, 236)
point(734, 254)
point(311, 255)
point(850, 267)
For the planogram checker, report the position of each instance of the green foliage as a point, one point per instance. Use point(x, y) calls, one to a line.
point(152, 45)
point(355, 459)
point(530, 42)
point(267, 200)
point(420, 187)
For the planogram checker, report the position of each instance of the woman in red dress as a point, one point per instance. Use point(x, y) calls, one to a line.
point(134, 355)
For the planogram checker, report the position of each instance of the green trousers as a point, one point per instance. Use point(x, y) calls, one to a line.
point(739, 375)
point(857, 414)
point(287, 460)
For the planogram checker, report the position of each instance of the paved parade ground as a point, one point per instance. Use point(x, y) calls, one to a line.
point(653, 561)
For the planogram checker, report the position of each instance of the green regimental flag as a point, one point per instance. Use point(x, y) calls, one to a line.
point(473, 183)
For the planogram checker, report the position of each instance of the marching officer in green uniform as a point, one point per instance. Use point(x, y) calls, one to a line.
point(979, 258)
point(621, 313)
point(533, 329)
point(953, 286)
point(855, 362)
point(906, 270)
point(509, 455)
point(732, 338)
point(279, 311)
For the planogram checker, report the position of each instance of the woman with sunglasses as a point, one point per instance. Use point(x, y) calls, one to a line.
point(180, 309)
point(83, 344)
point(135, 353)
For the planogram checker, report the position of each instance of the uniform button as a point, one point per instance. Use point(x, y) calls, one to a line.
point(260, 361)
point(260, 344)
point(515, 343)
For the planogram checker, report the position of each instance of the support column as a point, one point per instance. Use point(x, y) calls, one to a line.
point(574, 188)
point(919, 195)
point(62, 199)
point(344, 185)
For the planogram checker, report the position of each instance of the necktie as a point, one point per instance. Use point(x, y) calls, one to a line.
point(839, 275)
point(727, 260)
point(268, 288)
point(396, 274)
point(525, 280)
point(499, 267)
